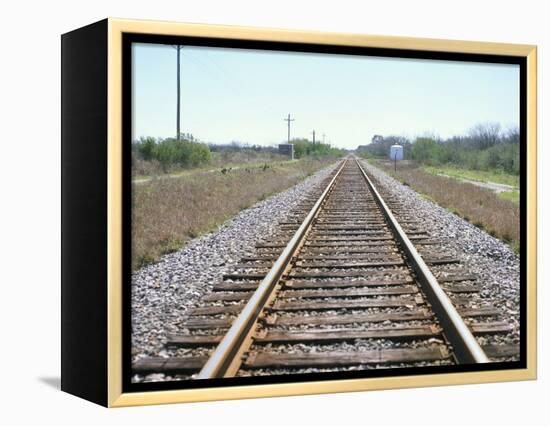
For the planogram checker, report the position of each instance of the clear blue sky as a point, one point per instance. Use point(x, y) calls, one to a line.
point(244, 95)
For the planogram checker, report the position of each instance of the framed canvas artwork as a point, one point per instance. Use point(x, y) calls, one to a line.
point(256, 212)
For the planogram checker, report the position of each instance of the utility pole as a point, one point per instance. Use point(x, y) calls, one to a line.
point(288, 120)
point(323, 138)
point(313, 136)
point(178, 48)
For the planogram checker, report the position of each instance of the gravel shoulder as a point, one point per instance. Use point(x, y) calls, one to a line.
point(164, 291)
point(493, 261)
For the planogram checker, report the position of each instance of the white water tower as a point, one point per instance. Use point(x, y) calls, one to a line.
point(396, 152)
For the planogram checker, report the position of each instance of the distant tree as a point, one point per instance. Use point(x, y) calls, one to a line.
point(304, 147)
point(377, 139)
point(485, 135)
point(146, 147)
point(424, 149)
point(380, 145)
point(512, 136)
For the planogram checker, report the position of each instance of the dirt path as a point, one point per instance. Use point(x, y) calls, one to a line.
point(496, 187)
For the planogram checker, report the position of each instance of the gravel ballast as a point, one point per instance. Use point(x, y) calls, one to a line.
point(493, 261)
point(164, 291)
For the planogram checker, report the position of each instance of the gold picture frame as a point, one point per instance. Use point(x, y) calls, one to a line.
point(115, 29)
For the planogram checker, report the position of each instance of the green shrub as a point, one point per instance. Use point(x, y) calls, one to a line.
point(171, 152)
point(146, 147)
point(304, 148)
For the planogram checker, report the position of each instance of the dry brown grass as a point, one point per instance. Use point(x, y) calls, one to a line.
point(153, 168)
point(167, 212)
point(480, 206)
point(145, 168)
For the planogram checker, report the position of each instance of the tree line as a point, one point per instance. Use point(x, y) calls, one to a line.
point(305, 147)
point(485, 147)
point(188, 152)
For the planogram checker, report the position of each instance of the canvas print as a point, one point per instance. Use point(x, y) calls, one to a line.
point(306, 214)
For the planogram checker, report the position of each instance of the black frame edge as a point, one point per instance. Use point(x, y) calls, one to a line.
point(84, 212)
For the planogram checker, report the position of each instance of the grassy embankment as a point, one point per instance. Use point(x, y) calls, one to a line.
point(168, 212)
point(143, 170)
point(482, 207)
point(496, 176)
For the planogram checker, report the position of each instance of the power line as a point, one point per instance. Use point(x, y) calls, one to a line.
point(234, 83)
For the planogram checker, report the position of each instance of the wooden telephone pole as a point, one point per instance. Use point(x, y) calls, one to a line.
point(178, 48)
point(313, 136)
point(289, 120)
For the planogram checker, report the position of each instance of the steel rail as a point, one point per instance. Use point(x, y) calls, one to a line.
point(229, 347)
point(465, 346)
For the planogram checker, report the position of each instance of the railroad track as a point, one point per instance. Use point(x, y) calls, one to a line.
point(347, 283)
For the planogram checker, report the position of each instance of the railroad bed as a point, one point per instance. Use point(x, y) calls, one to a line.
point(345, 284)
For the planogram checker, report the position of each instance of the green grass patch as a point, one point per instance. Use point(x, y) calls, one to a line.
point(510, 196)
point(170, 246)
